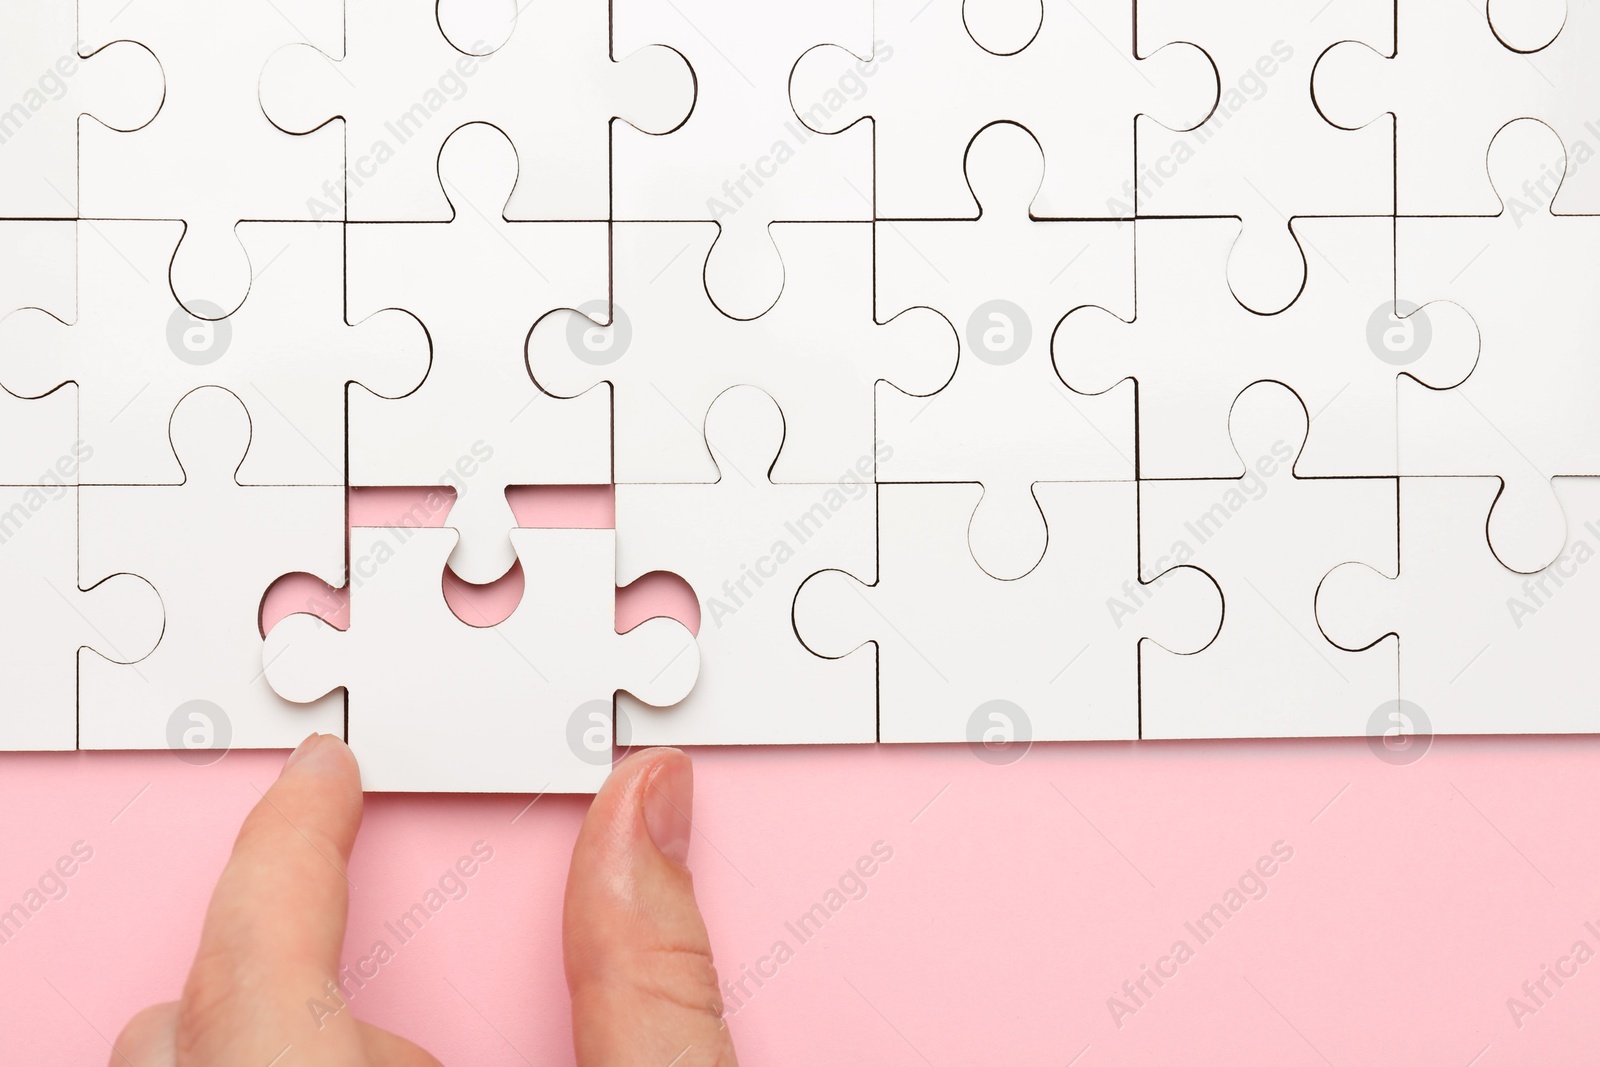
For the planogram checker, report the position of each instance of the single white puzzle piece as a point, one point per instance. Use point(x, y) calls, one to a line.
point(210, 157)
point(552, 84)
point(49, 617)
point(1264, 154)
point(1528, 412)
point(743, 158)
point(1270, 672)
point(134, 352)
point(1464, 69)
point(745, 544)
point(668, 352)
point(1482, 649)
point(1053, 656)
point(477, 422)
point(47, 82)
point(929, 86)
point(535, 693)
point(1006, 420)
point(1341, 347)
point(211, 547)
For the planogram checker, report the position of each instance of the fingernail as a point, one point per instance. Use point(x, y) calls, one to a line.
point(668, 803)
point(303, 750)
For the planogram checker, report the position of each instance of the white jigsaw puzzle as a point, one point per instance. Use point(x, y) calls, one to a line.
point(990, 371)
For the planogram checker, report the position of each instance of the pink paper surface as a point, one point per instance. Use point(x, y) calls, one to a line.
point(1022, 903)
point(1019, 899)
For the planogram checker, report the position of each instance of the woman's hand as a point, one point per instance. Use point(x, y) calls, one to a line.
point(638, 961)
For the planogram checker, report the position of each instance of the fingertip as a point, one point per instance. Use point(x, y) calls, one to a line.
point(149, 1039)
point(669, 803)
point(322, 755)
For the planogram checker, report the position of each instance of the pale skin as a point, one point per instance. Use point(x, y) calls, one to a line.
point(638, 961)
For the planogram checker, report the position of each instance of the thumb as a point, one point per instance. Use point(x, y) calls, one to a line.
point(644, 991)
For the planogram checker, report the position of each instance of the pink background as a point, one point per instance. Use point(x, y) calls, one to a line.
point(1018, 900)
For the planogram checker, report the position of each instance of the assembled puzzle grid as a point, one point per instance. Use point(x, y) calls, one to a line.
point(992, 371)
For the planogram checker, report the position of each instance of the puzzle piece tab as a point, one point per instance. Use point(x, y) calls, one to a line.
point(1056, 654)
point(668, 352)
point(746, 544)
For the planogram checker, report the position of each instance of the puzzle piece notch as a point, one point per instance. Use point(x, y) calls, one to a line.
point(536, 683)
point(1061, 645)
point(1527, 26)
point(559, 52)
point(478, 422)
point(1006, 419)
point(211, 548)
point(1270, 673)
point(1003, 27)
point(819, 352)
point(745, 544)
point(287, 353)
point(48, 83)
point(929, 63)
point(1340, 347)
